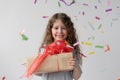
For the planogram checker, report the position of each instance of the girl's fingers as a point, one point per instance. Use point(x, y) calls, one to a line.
point(71, 62)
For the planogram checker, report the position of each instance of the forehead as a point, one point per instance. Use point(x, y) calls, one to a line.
point(58, 22)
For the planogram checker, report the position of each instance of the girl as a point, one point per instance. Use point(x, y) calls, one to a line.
point(60, 27)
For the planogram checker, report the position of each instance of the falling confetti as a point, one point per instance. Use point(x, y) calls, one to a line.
point(96, 17)
point(95, 7)
point(87, 43)
point(107, 48)
point(44, 16)
point(4, 78)
point(91, 52)
point(90, 24)
point(108, 10)
point(73, 1)
point(24, 37)
point(83, 55)
point(35, 1)
point(77, 43)
point(99, 26)
point(108, 2)
point(59, 4)
point(99, 46)
point(85, 4)
point(83, 13)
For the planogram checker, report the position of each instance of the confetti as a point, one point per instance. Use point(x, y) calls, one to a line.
point(87, 43)
point(24, 37)
point(99, 26)
point(35, 1)
point(44, 16)
point(99, 46)
point(4, 78)
point(77, 43)
point(107, 48)
point(96, 17)
point(73, 1)
point(83, 13)
point(108, 2)
point(108, 10)
point(83, 55)
point(91, 52)
point(91, 25)
point(95, 7)
point(85, 4)
point(59, 4)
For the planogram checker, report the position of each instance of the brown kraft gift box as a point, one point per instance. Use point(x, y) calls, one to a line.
point(53, 63)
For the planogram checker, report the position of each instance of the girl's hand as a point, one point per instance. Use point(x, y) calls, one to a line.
point(72, 62)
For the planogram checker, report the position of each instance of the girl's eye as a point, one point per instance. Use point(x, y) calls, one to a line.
point(56, 28)
point(63, 28)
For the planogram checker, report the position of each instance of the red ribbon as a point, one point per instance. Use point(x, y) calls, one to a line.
point(57, 47)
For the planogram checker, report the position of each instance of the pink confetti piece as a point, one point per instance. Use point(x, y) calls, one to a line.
point(35, 1)
point(85, 4)
point(73, 1)
point(108, 2)
point(95, 7)
point(77, 43)
point(44, 16)
point(83, 55)
point(24, 64)
point(108, 10)
point(83, 13)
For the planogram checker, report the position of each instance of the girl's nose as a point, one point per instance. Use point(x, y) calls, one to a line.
point(60, 30)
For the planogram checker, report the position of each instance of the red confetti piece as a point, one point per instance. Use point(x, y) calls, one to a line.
point(96, 17)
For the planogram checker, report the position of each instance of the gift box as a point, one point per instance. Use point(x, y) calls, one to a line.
point(53, 63)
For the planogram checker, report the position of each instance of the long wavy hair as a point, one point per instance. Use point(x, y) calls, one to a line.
point(71, 31)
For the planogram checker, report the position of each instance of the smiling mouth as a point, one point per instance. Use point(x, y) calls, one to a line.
point(60, 36)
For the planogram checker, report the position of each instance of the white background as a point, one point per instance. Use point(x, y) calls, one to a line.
point(19, 15)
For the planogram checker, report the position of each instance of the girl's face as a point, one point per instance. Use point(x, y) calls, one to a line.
point(59, 31)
